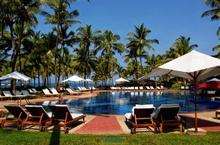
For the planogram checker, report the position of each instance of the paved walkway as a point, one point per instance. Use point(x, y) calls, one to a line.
point(101, 125)
point(206, 121)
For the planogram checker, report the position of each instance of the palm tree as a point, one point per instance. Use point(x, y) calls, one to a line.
point(139, 44)
point(18, 19)
point(85, 58)
point(181, 46)
point(84, 61)
point(108, 45)
point(104, 69)
point(154, 61)
point(62, 18)
point(217, 49)
point(214, 12)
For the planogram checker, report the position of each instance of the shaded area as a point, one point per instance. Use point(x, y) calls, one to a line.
point(55, 135)
point(189, 122)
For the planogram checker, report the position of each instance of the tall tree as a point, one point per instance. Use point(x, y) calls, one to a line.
point(139, 44)
point(62, 18)
point(108, 45)
point(18, 18)
point(181, 46)
point(214, 13)
point(85, 59)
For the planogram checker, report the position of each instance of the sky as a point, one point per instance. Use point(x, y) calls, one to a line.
point(166, 19)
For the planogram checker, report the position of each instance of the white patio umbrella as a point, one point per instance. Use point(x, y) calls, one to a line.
point(74, 78)
point(214, 80)
point(194, 65)
point(121, 80)
point(15, 75)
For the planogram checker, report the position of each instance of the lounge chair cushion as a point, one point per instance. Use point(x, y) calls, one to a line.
point(49, 114)
point(54, 91)
point(46, 92)
point(167, 111)
point(146, 106)
point(128, 116)
point(75, 115)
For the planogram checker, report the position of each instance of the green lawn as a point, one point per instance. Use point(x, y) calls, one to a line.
point(39, 138)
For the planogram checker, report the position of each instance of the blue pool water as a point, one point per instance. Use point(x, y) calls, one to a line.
point(122, 102)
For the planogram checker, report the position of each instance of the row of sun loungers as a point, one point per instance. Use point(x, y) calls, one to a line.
point(36, 115)
point(151, 118)
point(17, 94)
point(33, 92)
point(86, 89)
point(138, 88)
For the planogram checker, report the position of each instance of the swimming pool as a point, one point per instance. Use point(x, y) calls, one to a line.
point(122, 102)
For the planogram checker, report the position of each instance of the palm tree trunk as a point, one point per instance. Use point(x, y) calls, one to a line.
point(13, 57)
point(135, 69)
point(38, 73)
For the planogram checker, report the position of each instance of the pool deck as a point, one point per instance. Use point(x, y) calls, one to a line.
point(115, 124)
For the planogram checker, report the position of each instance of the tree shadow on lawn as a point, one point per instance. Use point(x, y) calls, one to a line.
point(55, 135)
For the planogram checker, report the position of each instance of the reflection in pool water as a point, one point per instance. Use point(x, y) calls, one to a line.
point(122, 102)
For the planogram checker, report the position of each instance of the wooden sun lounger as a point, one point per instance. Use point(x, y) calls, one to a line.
point(54, 91)
point(34, 90)
point(71, 92)
point(140, 118)
point(166, 116)
point(8, 94)
point(4, 97)
point(2, 118)
point(40, 116)
point(31, 91)
point(26, 93)
point(63, 116)
point(47, 92)
point(21, 116)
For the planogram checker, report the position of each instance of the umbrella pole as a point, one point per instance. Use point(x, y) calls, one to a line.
point(195, 103)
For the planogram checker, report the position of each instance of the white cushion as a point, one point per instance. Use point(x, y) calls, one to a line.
point(49, 114)
point(59, 105)
point(75, 115)
point(138, 106)
point(128, 116)
point(144, 106)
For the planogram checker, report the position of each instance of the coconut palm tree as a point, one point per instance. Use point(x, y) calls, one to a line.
point(181, 46)
point(153, 61)
point(62, 18)
point(85, 58)
point(108, 45)
point(217, 49)
point(18, 19)
point(84, 61)
point(139, 44)
point(214, 13)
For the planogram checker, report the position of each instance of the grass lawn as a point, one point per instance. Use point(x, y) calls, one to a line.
point(38, 138)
